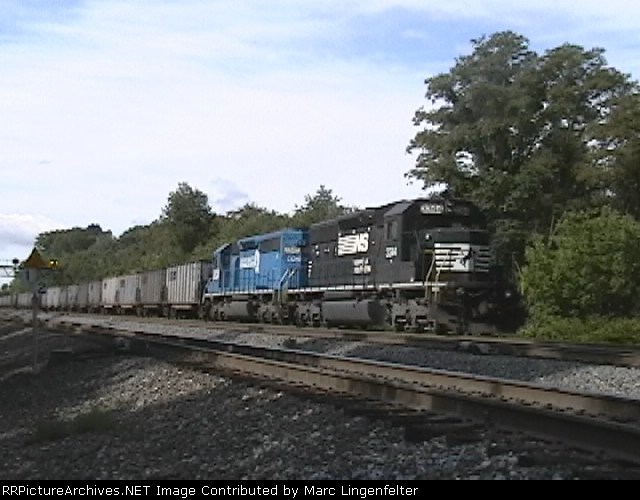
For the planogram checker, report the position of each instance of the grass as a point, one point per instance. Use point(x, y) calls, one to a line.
point(95, 420)
point(595, 330)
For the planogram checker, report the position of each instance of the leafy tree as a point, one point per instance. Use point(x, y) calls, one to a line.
point(189, 216)
point(619, 153)
point(513, 131)
point(144, 248)
point(249, 220)
point(55, 243)
point(588, 267)
point(321, 206)
point(75, 250)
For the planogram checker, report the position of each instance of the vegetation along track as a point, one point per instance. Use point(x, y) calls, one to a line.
point(599, 422)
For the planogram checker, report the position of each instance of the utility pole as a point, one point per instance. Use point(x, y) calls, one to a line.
point(35, 305)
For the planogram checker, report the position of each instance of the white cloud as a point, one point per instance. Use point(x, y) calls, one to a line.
point(225, 195)
point(21, 229)
point(620, 10)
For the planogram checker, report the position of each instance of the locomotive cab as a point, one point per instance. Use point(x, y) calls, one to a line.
point(439, 261)
point(425, 238)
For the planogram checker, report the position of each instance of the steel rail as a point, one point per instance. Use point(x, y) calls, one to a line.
point(606, 354)
point(597, 422)
point(523, 393)
point(617, 440)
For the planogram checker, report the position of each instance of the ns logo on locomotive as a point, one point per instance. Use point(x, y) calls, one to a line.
point(416, 265)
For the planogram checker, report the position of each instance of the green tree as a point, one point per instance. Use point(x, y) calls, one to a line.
point(67, 241)
point(75, 249)
point(513, 131)
point(588, 267)
point(619, 153)
point(189, 216)
point(249, 220)
point(321, 206)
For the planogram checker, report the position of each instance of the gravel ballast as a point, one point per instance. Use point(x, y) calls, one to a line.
point(123, 417)
point(613, 380)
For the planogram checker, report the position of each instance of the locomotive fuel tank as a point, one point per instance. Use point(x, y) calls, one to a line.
point(354, 312)
point(240, 310)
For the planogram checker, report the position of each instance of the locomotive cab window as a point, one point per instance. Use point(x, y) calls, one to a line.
point(270, 245)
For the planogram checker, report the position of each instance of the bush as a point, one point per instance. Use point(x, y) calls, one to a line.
point(588, 267)
point(595, 329)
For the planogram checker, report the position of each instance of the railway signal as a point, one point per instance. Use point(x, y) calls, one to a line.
point(32, 269)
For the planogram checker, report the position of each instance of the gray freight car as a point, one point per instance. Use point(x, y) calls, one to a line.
point(185, 284)
point(128, 292)
point(153, 292)
point(72, 297)
point(109, 299)
point(63, 298)
point(94, 296)
point(120, 294)
point(82, 303)
point(53, 298)
point(6, 300)
point(24, 300)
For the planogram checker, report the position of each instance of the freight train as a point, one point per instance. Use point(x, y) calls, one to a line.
point(417, 265)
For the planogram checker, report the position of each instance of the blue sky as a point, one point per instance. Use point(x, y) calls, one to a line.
point(106, 105)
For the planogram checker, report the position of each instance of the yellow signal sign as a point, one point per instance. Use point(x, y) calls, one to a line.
point(35, 261)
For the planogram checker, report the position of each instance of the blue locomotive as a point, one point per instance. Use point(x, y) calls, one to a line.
point(416, 265)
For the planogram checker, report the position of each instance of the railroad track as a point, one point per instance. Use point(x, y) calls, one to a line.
point(602, 354)
point(601, 423)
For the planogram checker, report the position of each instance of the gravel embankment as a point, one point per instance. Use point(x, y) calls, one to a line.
point(144, 418)
point(569, 375)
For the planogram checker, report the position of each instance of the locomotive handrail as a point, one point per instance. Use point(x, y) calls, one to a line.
point(284, 281)
point(429, 289)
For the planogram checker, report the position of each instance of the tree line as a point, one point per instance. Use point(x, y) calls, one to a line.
point(186, 230)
